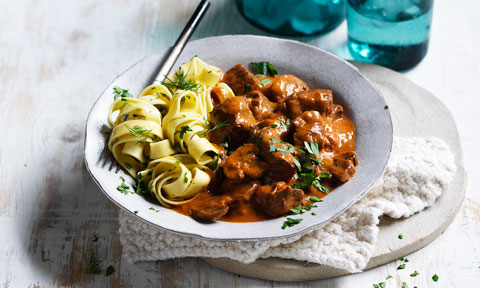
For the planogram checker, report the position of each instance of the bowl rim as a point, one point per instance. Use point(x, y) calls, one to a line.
point(304, 229)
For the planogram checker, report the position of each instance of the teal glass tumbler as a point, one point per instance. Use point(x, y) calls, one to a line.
point(391, 33)
point(293, 17)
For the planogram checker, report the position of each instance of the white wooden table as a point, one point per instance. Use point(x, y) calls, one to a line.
point(55, 59)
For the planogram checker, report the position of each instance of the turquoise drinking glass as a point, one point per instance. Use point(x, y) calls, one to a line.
point(391, 33)
point(293, 17)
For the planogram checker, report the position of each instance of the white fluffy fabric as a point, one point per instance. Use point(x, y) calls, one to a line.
point(418, 171)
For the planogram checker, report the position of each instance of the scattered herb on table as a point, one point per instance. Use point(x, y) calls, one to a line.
point(389, 277)
point(415, 273)
point(402, 266)
point(400, 236)
point(93, 265)
point(110, 270)
point(136, 211)
point(404, 284)
point(435, 277)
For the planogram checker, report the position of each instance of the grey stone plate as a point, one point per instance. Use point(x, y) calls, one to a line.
point(415, 113)
point(320, 69)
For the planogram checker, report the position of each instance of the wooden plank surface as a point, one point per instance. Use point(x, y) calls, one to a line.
point(55, 59)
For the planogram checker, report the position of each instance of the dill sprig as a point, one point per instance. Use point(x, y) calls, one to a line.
point(139, 131)
point(93, 265)
point(182, 82)
point(219, 125)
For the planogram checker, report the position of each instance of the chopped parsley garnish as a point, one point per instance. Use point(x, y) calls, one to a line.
point(128, 166)
point(415, 273)
point(435, 277)
point(265, 81)
point(217, 126)
point(314, 214)
point(400, 236)
point(185, 178)
point(389, 277)
point(274, 125)
point(182, 82)
point(274, 148)
point(265, 68)
point(291, 222)
point(297, 210)
point(404, 284)
point(123, 188)
point(312, 148)
point(110, 270)
point(140, 189)
point(402, 266)
point(93, 265)
point(183, 130)
point(153, 209)
point(297, 163)
point(136, 211)
point(120, 93)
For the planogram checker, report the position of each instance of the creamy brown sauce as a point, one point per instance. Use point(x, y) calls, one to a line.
point(269, 122)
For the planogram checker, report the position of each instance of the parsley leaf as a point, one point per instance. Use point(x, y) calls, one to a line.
point(265, 81)
point(183, 130)
point(297, 210)
point(265, 68)
point(389, 277)
point(120, 93)
point(435, 277)
point(314, 199)
point(123, 188)
point(291, 222)
point(402, 266)
point(415, 273)
point(140, 189)
point(400, 236)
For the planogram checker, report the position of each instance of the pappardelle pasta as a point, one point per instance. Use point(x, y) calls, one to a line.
point(160, 137)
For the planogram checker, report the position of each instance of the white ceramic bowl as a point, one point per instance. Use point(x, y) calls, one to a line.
point(320, 69)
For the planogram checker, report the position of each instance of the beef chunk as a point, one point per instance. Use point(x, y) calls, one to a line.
point(278, 199)
point(239, 190)
point(309, 127)
point(235, 112)
point(260, 106)
point(240, 80)
point(343, 167)
point(286, 85)
point(276, 153)
point(244, 162)
point(320, 100)
point(279, 126)
point(209, 208)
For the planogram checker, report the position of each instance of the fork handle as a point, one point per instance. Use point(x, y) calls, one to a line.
point(182, 40)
